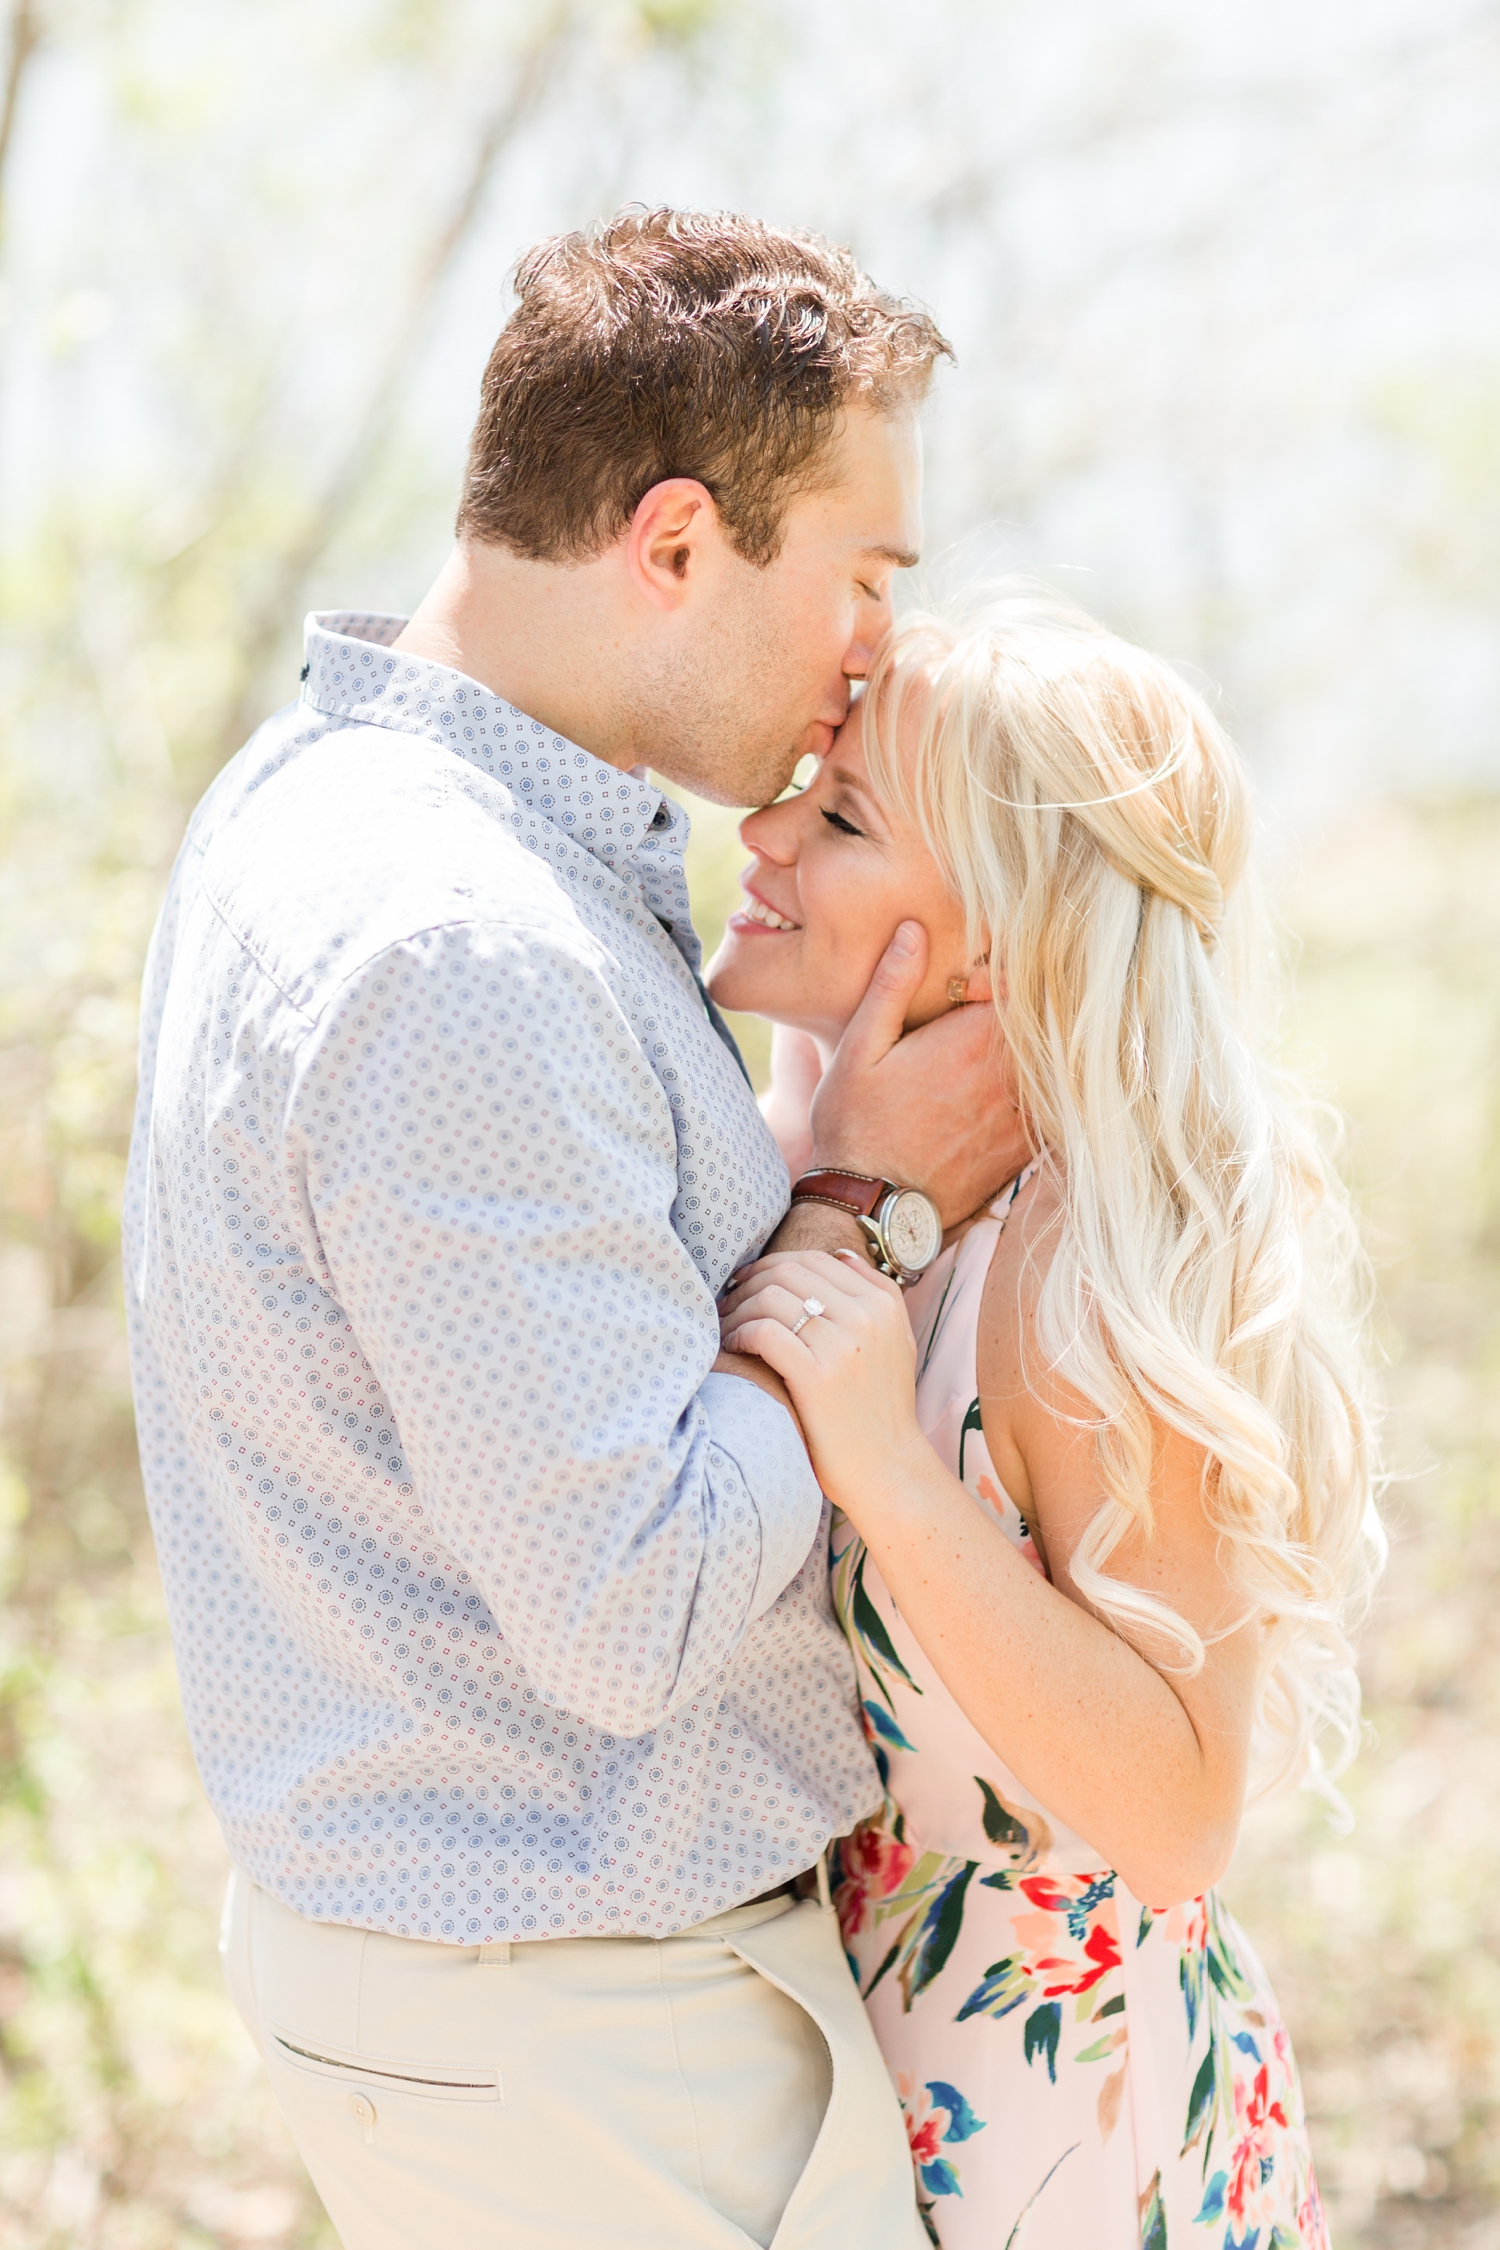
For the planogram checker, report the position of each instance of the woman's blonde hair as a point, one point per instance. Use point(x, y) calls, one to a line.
point(1093, 817)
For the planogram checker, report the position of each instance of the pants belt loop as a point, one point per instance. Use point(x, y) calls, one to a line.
point(495, 1954)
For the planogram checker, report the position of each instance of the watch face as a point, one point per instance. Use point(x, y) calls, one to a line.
point(913, 1231)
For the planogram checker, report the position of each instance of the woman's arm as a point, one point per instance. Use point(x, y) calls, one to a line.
point(1150, 1768)
point(786, 1104)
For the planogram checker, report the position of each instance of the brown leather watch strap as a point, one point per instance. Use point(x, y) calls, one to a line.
point(850, 1189)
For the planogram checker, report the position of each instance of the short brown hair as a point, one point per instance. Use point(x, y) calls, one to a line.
point(678, 343)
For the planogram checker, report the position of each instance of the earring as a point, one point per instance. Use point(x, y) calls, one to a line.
point(958, 987)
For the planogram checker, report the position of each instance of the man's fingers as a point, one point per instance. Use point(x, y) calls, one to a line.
point(962, 1039)
point(877, 1022)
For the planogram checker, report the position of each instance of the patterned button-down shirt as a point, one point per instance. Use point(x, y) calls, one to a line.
point(497, 1614)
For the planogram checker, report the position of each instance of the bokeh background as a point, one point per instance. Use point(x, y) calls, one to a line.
point(1225, 291)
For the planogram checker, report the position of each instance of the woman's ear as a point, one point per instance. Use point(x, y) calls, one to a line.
point(973, 984)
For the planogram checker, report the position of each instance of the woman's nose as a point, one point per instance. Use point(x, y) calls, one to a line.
point(770, 834)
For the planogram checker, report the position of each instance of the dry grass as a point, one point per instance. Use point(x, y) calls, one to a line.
point(134, 2114)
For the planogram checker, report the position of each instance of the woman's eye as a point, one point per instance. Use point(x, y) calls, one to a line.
point(837, 820)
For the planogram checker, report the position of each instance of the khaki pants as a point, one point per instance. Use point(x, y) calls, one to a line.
point(690, 2093)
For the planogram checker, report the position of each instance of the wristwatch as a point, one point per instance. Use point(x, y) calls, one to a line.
point(902, 1223)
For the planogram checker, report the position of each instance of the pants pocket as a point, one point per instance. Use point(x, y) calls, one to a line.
point(399, 2074)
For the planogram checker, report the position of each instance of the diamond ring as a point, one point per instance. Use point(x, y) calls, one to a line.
point(810, 1311)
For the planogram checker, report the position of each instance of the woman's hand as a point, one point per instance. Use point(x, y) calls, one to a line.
point(850, 1367)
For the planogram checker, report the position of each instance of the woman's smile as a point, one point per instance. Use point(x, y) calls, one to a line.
point(757, 913)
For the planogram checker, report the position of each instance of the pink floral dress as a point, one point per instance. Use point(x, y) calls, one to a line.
point(1079, 2070)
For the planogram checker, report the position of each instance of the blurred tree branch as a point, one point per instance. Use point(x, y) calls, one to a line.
point(408, 338)
point(24, 36)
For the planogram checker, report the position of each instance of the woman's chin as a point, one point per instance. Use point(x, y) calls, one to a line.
point(747, 978)
point(742, 996)
point(731, 983)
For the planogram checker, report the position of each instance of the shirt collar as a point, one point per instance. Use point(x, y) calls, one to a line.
point(351, 671)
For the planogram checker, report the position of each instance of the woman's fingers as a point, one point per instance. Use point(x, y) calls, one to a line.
point(815, 1272)
point(776, 1345)
point(787, 1299)
point(802, 1269)
point(849, 1368)
point(844, 1331)
point(771, 1302)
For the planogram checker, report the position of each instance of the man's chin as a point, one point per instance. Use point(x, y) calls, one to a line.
point(741, 781)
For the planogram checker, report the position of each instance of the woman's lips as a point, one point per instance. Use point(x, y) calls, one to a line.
point(759, 915)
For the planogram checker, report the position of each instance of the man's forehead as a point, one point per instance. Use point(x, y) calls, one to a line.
point(877, 487)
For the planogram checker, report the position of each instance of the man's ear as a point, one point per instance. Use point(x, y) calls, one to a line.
point(674, 526)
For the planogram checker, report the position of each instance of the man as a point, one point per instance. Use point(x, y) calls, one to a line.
point(499, 1601)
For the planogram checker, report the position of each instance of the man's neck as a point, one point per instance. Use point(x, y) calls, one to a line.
point(545, 636)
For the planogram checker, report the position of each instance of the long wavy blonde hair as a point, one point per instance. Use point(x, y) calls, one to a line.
point(1093, 818)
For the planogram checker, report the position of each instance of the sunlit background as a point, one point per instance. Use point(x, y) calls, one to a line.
point(1224, 283)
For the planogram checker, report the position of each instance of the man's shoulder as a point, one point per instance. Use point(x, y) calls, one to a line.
point(324, 845)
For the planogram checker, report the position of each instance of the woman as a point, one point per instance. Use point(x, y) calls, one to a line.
point(1099, 1526)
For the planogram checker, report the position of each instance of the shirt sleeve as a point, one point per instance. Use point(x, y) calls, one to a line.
point(489, 1165)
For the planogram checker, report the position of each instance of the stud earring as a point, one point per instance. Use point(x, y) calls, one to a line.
point(958, 987)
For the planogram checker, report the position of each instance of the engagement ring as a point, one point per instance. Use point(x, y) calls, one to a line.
point(810, 1311)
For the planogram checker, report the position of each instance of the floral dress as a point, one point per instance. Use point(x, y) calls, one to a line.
point(1079, 2070)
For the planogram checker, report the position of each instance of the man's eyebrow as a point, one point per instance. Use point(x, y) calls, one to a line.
point(904, 558)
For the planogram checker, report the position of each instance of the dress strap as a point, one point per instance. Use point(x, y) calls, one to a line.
point(1001, 1207)
point(999, 1211)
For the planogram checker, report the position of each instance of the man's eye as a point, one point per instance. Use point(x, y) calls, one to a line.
point(837, 820)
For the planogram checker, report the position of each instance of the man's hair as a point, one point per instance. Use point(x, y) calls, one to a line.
point(679, 344)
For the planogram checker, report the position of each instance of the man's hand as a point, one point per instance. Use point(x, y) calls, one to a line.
point(934, 1109)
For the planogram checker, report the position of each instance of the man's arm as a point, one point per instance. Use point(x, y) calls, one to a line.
point(494, 1206)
